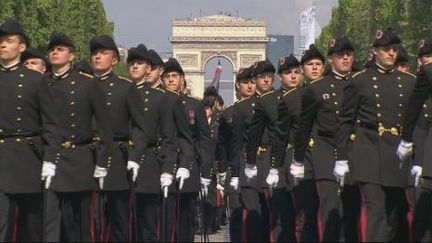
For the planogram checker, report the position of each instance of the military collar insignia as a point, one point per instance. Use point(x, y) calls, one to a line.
point(106, 76)
point(267, 93)
point(175, 92)
point(383, 70)
point(11, 68)
point(339, 76)
point(63, 75)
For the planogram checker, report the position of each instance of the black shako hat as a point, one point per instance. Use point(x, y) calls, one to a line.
point(137, 53)
point(286, 63)
point(340, 45)
point(103, 41)
point(172, 65)
point(312, 53)
point(385, 38)
point(60, 39)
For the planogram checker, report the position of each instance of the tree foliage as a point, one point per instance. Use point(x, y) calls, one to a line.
point(360, 19)
point(80, 19)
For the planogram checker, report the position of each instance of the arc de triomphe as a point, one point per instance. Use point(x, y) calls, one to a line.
point(198, 40)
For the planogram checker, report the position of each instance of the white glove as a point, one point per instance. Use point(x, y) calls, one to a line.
point(133, 166)
point(48, 171)
point(234, 182)
point(100, 173)
point(340, 170)
point(166, 181)
point(221, 177)
point(416, 172)
point(405, 149)
point(297, 170)
point(273, 177)
point(182, 175)
point(250, 171)
point(204, 186)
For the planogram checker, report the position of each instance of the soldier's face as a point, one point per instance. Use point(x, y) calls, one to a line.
point(172, 81)
point(10, 48)
point(427, 58)
point(313, 69)
point(291, 78)
point(154, 74)
point(386, 56)
point(342, 61)
point(36, 64)
point(60, 56)
point(103, 60)
point(138, 69)
point(264, 82)
point(246, 88)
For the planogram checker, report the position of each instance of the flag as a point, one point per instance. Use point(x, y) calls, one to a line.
point(216, 79)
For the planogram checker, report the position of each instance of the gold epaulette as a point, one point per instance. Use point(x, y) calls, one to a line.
point(316, 80)
point(412, 75)
point(357, 73)
point(289, 91)
point(159, 89)
point(243, 99)
point(86, 74)
point(125, 79)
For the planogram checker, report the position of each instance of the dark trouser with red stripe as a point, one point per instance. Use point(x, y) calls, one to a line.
point(283, 216)
point(257, 217)
point(235, 226)
point(329, 218)
point(67, 217)
point(147, 207)
point(28, 220)
point(306, 203)
point(423, 212)
point(383, 206)
point(118, 210)
point(351, 206)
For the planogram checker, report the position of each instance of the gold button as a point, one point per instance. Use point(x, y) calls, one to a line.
point(108, 103)
point(72, 92)
point(18, 108)
point(332, 85)
point(424, 105)
point(20, 85)
point(146, 92)
point(426, 115)
point(72, 125)
point(400, 95)
point(334, 94)
point(18, 119)
point(146, 109)
point(378, 105)
point(337, 112)
point(72, 136)
point(335, 103)
point(379, 114)
point(21, 75)
point(377, 95)
point(18, 140)
point(19, 96)
point(399, 115)
point(399, 78)
point(72, 82)
point(400, 85)
point(374, 78)
point(145, 100)
point(111, 84)
point(253, 104)
point(72, 114)
point(109, 93)
point(375, 86)
point(72, 103)
point(2, 141)
point(400, 105)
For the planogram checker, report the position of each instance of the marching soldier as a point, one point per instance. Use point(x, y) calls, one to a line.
point(283, 220)
point(28, 136)
point(127, 120)
point(320, 107)
point(376, 98)
point(421, 170)
point(245, 88)
point(193, 140)
point(144, 70)
point(34, 59)
point(70, 178)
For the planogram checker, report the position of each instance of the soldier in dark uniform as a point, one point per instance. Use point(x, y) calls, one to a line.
point(321, 101)
point(229, 165)
point(159, 127)
point(127, 120)
point(28, 136)
point(376, 98)
point(78, 101)
point(34, 59)
point(192, 171)
point(402, 61)
point(153, 77)
point(421, 170)
point(282, 205)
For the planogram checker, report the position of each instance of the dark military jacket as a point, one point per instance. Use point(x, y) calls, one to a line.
point(261, 132)
point(28, 129)
point(79, 102)
point(161, 131)
point(127, 121)
point(375, 101)
point(195, 143)
point(320, 106)
point(416, 128)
